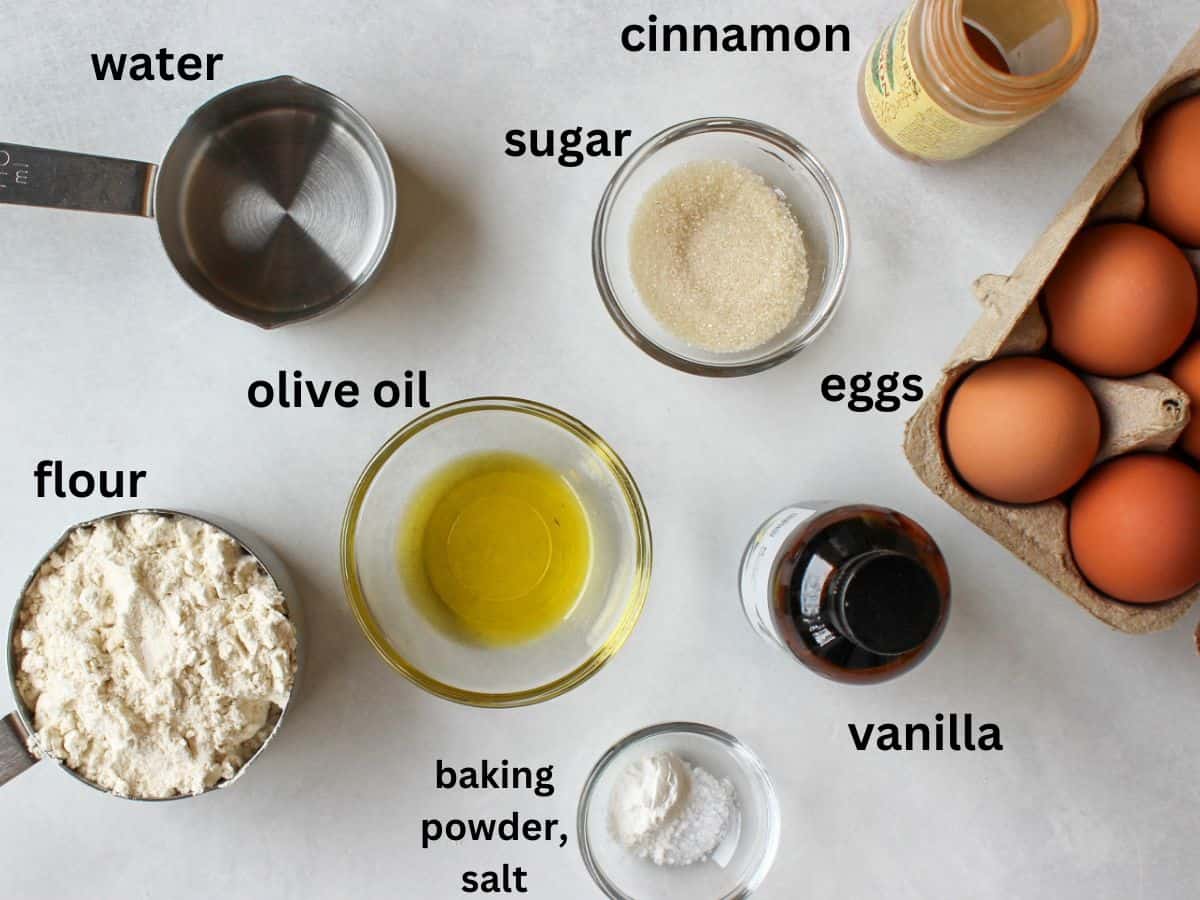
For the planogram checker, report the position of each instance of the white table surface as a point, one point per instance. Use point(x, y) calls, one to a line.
point(107, 360)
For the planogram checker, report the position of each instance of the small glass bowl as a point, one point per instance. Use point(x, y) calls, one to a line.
point(441, 662)
point(791, 170)
point(736, 868)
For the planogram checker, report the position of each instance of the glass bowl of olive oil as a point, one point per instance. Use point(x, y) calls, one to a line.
point(496, 552)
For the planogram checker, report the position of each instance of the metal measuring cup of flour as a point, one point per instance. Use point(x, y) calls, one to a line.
point(15, 728)
point(275, 202)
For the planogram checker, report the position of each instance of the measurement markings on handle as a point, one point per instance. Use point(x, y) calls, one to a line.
point(12, 172)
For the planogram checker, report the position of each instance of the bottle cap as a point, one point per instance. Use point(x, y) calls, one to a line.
point(889, 603)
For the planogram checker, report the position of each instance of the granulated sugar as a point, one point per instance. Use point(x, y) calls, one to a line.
point(718, 257)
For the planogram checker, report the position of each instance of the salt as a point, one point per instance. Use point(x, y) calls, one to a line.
point(671, 812)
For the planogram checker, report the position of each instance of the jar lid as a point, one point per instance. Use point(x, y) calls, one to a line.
point(889, 603)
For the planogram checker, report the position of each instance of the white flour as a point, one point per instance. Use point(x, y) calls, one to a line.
point(670, 812)
point(155, 654)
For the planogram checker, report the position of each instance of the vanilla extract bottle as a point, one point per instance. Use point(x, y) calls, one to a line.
point(858, 594)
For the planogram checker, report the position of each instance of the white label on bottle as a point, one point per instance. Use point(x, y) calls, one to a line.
point(758, 568)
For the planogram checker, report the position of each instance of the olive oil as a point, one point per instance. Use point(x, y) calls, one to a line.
point(496, 548)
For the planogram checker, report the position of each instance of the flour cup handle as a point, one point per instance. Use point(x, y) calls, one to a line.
point(33, 176)
point(15, 757)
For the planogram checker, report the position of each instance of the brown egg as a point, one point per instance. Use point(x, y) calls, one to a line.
point(1022, 429)
point(1135, 528)
point(1122, 300)
point(1171, 171)
point(1186, 374)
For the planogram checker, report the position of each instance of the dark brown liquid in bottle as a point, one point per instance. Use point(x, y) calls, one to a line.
point(861, 594)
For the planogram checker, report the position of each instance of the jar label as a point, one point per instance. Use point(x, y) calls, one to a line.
point(905, 111)
point(758, 567)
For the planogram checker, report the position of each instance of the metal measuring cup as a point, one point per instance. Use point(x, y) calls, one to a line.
point(15, 728)
point(276, 201)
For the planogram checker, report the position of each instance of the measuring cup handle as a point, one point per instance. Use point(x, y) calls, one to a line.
point(33, 176)
point(15, 757)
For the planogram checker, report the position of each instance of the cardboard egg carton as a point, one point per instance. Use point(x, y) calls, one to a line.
point(1148, 412)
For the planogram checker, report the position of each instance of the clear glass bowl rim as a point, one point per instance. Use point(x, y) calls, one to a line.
point(835, 282)
point(771, 846)
point(356, 597)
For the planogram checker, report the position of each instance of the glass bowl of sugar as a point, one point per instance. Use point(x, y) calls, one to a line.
point(721, 247)
point(678, 810)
